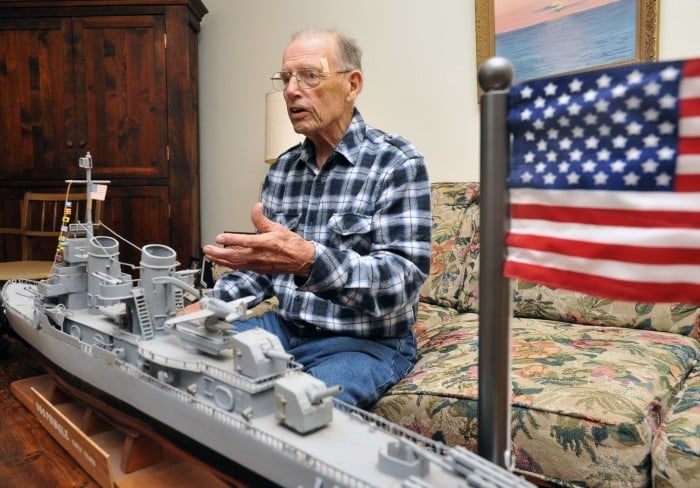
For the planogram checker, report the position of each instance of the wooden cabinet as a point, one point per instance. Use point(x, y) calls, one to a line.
point(119, 79)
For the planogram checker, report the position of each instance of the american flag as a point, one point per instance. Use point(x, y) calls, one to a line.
point(604, 183)
point(98, 191)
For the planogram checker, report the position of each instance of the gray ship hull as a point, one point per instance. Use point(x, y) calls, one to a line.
point(343, 453)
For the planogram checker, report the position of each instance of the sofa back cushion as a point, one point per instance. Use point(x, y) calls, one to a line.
point(541, 302)
point(454, 277)
point(455, 237)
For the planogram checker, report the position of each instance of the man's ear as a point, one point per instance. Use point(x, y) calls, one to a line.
point(355, 78)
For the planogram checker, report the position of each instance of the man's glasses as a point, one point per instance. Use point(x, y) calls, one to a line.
point(306, 78)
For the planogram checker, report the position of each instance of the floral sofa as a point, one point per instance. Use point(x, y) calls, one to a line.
point(605, 393)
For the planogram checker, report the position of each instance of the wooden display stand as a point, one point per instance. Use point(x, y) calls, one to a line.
point(111, 450)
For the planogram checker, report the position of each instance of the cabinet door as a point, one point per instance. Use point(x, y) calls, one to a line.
point(37, 102)
point(121, 94)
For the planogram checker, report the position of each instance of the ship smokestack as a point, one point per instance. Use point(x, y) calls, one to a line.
point(158, 261)
point(103, 258)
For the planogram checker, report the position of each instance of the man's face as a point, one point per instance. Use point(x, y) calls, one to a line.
point(318, 112)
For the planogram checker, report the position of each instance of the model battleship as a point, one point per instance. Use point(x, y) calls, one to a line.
point(239, 394)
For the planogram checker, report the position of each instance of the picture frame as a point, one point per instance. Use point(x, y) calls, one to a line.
point(646, 42)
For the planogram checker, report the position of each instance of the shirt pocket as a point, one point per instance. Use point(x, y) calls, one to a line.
point(351, 231)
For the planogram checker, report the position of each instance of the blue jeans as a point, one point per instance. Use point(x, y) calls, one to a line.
point(365, 368)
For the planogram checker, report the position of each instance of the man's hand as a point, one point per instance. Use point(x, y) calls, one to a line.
point(275, 250)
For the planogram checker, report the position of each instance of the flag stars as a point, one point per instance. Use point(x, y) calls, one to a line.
point(526, 92)
point(633, 154)
point(564, 99)
point(538, 124)
point(552, 133)
point(526, 114)
point(652, 89)
point(563, 121)
point(666, 128)
point(539, 102)
point(619, 117)
point(651, 115)
point(540, 167)
point(618, 91)
point(618, 166)
point(574, 109)
point(619, 142)
point(602, 105)
point(635, 77)
point(548, 112)
point(565, 144)
point(652, 140)
point(575, 85)
point(573, 178)
point(664, 179)
point(604, 130)
point(590, 119)
point(590, 95)
point(631, 179)
point(542, 145)
point(603, 155)
point(576, 155)
point(529, 157)
point(667, 101)
point(633, 103)
point(550, 90)
point(577, 132)
point(600, 178)
point(603, 82)
point(634, 128)
point(670, 73)
point(526, 177)
point(529, 135)
point(665, 153)
point(589, 166)
point(592, 142)
point(650, 166)
point(551, 157)
point(549, 178)
point(563, 167)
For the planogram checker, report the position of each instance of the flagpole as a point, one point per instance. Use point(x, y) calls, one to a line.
point(494, 443)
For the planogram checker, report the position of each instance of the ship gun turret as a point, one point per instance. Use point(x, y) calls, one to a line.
point(304, 403)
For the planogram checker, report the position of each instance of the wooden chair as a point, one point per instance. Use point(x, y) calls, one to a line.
point(41, 219)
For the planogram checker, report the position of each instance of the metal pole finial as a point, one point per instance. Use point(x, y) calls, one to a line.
point(496, 73)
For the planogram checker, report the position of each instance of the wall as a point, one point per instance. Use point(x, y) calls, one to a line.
point(420, 81)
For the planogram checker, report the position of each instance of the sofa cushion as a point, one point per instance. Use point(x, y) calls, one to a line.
point(586, 403)
point(539, 301)
point(455, 208)
point(676, 449)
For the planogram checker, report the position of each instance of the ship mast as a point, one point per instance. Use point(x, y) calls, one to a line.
point(85, 162)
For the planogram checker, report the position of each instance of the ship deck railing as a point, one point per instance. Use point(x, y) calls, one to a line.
point(239, 423)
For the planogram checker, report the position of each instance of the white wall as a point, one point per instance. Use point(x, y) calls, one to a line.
point(420, 81)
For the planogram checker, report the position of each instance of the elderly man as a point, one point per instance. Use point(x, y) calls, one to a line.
point(343, 235)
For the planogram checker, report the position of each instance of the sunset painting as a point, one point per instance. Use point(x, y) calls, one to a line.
point(542, 37)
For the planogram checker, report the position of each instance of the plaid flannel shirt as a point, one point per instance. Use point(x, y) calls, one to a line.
point(367, 210)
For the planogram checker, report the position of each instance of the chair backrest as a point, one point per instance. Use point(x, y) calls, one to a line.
point(42, 216)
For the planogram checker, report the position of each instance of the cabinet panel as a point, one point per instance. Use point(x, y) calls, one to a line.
point(37, 102)
point(121, 93)
point(140, 215)
point(98, 76)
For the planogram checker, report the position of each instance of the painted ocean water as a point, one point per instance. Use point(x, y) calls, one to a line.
point(594, 37)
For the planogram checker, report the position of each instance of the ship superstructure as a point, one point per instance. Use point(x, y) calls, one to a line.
point(240, 394)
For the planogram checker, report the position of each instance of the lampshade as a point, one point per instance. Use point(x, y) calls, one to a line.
point(279, 134)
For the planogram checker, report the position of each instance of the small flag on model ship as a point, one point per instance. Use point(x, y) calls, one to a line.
point(98, 192)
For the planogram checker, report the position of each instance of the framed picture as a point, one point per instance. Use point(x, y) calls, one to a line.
point(545, 38)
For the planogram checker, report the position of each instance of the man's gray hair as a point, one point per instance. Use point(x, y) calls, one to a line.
point(349, 52)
